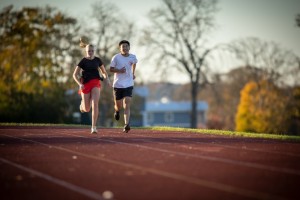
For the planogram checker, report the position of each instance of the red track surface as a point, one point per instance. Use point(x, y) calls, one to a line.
point(69, 163)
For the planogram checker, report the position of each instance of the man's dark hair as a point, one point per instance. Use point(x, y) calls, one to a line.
point(124, 42)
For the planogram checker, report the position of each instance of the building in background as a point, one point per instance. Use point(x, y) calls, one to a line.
point(166, 112)
point(159, 111)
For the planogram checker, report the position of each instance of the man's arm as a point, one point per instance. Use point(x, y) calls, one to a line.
point(115, 70)
point(133, 70)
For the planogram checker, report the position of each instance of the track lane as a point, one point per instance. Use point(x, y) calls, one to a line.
point(88, 144)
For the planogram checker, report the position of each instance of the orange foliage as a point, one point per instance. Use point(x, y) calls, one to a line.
point(262, 109)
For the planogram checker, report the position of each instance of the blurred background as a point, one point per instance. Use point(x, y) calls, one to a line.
point(227, 64)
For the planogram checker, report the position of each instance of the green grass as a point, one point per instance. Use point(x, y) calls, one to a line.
point(230, 133)
point(197, 131)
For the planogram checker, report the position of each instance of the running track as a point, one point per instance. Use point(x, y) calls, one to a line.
point(69, 163)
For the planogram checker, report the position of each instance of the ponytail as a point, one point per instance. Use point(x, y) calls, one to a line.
point(83, 42)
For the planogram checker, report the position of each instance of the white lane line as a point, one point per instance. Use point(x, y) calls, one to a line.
point(75, 188)
point(219, 145)
point(244, 149)
point(230, 147)
point(228, 161)
point(196, 181)
point(224, 146)
point(210, 158)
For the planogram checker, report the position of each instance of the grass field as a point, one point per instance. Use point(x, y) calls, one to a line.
point(231, 133)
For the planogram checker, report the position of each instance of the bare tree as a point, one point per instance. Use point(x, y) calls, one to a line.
point(269, 59)
point(298, 20)
point(177, 36)
point(109, 27)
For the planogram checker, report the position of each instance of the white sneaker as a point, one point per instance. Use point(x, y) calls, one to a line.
point(93, 130)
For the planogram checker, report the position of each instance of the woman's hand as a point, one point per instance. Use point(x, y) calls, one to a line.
point(108, 82)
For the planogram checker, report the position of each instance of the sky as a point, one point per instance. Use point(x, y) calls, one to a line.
point(269, 20)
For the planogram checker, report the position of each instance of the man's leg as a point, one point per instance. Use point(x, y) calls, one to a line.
point(118, 102)
point(118, 107)
point(126, 103)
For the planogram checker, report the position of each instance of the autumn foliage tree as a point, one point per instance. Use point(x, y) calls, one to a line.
point(268, 61)
point(35, 43)
point(262, 108)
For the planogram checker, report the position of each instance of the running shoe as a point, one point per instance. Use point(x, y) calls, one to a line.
point(126, 128)
point(117, 115)
point(93, 130)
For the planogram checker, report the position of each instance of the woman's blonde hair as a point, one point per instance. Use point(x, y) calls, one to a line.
point(83, 42)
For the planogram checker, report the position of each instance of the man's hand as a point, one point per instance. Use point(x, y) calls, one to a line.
point(123, 70)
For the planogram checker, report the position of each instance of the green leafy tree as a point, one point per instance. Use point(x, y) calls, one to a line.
point(34, 48)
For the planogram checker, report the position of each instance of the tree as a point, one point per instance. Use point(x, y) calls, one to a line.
point(293, 109)
point(33, 48)
point(109, 28)
point(271, 63)
point(177, 37)
point(298, 20)
point(223, 95)
point(269, 60)
point(262, 108)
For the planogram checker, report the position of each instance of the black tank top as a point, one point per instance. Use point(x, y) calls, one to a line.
point(90, 68)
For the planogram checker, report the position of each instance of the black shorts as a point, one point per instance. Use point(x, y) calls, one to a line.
point(120, 93)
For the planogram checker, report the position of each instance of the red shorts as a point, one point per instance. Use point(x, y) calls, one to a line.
point(90, 85)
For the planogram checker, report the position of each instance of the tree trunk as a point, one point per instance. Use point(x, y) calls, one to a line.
point(194, 93)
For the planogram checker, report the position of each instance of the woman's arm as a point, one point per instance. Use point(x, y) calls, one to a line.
point(76, 76)
point(104, 74)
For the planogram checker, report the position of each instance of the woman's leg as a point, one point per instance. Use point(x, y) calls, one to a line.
point(95, 96)
point(85, 102)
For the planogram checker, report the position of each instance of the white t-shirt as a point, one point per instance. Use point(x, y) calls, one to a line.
point(123, 80)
